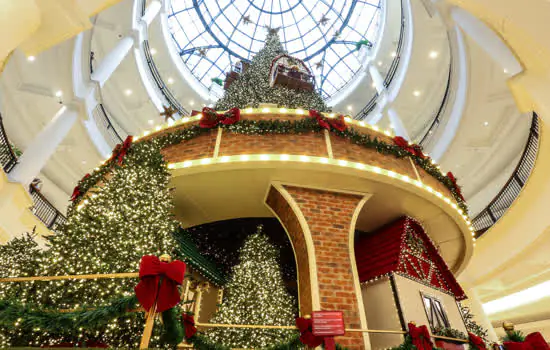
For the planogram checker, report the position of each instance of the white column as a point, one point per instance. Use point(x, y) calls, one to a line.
point(151, 12)
point(480, 317)
point(43, 146)
point(398, 126)
point(112, 60)
point(376, 78)
point(487, 39)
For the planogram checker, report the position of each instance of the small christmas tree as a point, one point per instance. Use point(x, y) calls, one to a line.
point(255, 295)
point(252, 87)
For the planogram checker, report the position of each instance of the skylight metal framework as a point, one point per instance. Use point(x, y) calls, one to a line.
point(212, 35)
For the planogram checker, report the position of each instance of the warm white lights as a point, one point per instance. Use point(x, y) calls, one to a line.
point(170, 81)
point(283, 110)
point(191, 103)
point(485, 123)
point(393, 54)
point(59, 93)
point(514, 300)
point(350, 107)
point(433, 54)
point(416, 93)
point(127, 92)
point(300, 111)
point(265, 110)
point(379, 63)
point(31, 58)
point(150, 122)
point(153, 51)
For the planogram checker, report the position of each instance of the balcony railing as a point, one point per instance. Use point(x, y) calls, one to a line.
point(103, 121)
point(8, 159)
point(511, 190)
point(42, 208)
point(45, 211)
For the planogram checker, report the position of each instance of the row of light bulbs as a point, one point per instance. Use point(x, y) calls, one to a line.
point(328, 161)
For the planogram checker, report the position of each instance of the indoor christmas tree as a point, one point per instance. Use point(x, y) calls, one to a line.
point(107, 231)
point(255, 295)
point(252, 86)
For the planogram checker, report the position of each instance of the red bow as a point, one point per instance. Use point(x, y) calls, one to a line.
point(211, 119)
point(337, 123)
point(306, 335)
point(151, 270)
point(457, 188)
point(534, 341)
point(124, 149)
point(413, 149)
point(420, 337)
point(189, 325)
point(477, 341)
point(76, 191)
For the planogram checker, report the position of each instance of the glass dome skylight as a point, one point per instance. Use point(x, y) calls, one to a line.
point(211, 35)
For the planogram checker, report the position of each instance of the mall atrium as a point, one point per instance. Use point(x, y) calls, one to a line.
point(378, 164)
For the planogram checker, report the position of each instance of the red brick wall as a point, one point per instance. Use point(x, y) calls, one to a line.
point(199, 147)
point(329, 217)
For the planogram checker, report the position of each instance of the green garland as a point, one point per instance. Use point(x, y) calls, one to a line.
point(274, 126)
point(514, 336)
point(450, 333)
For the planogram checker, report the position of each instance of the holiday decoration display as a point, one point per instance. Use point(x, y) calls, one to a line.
point(454, 339)
point(404, 248)
point(168, 113)
point(533, 341)
point(237, 69)
point(471, 325)
point(252, 87)
point(291, 73)
point(362, 43)
point(255, 295)
point(211, 119)
point(337, 123)
point(476, 342)
point(306, 332)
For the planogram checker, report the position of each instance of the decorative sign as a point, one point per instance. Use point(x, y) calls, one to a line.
point(328, 323)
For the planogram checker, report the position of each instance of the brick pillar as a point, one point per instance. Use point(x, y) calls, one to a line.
point(321, 226)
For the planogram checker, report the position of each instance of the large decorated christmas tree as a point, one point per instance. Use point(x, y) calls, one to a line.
point(255, 295)
point(252, 87)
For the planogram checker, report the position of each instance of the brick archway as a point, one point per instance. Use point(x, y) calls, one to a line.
point(321, 225)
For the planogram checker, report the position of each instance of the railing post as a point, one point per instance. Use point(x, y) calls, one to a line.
point(491, 215)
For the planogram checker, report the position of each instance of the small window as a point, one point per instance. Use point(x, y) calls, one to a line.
point(435, 312)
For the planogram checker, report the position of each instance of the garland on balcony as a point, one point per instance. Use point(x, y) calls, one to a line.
point(274, 126)
point(450, 333)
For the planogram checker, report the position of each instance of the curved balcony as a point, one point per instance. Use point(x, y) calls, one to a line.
point(512, 189)
point(42, 208)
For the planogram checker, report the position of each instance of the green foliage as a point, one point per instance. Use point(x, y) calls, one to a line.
point(471, 325)
point(451, 333)
point(252, 87)
point(406, 345)
point(255, 295)
point(515, 336)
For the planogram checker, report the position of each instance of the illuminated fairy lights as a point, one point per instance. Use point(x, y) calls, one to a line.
point(260, 111)
point(325, 161)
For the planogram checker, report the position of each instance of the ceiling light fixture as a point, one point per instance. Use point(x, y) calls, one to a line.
point(505, 71)
point(153, 51)
point(393, 54)
point(170, 81)
point(127, 92)
point(31, 58)
point(486, 123)
point(191, 103)
point(434, 54)
point(150, 121)
point(59, 93)
point(379, 63)
point(416, 93)
point(350, 107)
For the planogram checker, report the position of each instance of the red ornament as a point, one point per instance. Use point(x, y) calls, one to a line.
point(456, 187)
point(306, 335)
point(189, 325)
point(337, 123)
point(151, 272)
point(211, 119)
point(420, 337)
point(477, 341)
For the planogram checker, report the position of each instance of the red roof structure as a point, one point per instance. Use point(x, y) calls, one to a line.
point(403, 247)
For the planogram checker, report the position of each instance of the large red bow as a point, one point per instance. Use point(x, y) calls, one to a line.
point(124, 149)
point(456, 187)
point(534, 341)
point(76, 192)
point(420, 337)
point(337, 123)
point(158, 282)
point(189, 325)
point(211, 119)
point(306, 335)
point(413, 149)
point(477, 341)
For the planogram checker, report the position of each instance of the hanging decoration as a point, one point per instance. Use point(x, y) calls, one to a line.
point(158, 282)
point(306, 333)
point(361, 43)
point(169, 112)
point(337, 123)
point(413, 149)
point(218, 81)
point(77, 192)
point(211, 119)
point(476, 343)
point(189, 325)
point(457, 188)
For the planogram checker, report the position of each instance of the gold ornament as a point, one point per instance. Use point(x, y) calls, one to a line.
point(165, 258)
point(508, 326)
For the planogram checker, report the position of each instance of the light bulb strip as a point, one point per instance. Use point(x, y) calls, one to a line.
point(259, 111)
point(325, 161)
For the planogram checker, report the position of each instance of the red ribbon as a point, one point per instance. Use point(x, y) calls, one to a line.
point(457, 188)
point(534, 341)
point(152, 288)
point(189, 325)
point(477, 341)
point(211, 119)
point(306, 334)
point(76, 192)
point(413, 149)
point(338, 123)
point(124, 149)
point(420, 337)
